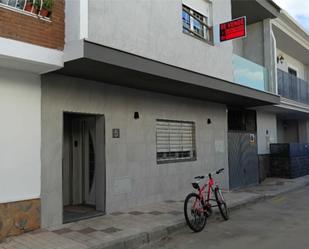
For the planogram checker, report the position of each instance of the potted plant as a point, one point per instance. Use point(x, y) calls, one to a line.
point(33, 6)
point(47, 8)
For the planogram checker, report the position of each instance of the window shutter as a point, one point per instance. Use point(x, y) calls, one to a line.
point(175, 140)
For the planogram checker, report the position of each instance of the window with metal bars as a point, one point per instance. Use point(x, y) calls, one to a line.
point(175, 141)
point(34, 8)
point(19, 4)
point(195, 23)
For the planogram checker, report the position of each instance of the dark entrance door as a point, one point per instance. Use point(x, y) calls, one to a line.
point(242, 149)
point(83, 178)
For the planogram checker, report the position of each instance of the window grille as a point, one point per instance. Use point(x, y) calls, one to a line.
point(195, 23)
point(175, 141)
point(29, 7)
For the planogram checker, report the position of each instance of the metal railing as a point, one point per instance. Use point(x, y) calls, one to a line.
point(291, 87)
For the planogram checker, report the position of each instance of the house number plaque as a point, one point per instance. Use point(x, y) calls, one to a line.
point(116, 133)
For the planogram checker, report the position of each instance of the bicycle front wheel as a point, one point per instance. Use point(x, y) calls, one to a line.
point(221, 204)
point(194, 212)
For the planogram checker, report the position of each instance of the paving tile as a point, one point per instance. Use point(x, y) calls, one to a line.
point(87, 230)
point(117, 213)
point(62, 231)
point(111, 230)
point(156, 213)
point(170, 201)
point(136, 213)
point(175, 212)
point(38, 231)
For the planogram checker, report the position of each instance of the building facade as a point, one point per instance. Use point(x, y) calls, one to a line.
point(111, 110)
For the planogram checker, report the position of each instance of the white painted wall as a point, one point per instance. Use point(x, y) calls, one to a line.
point(266, 122)
point(29, 57)
point(20, 135)
point(153, 29)
point(290, 61)
point(76, 20)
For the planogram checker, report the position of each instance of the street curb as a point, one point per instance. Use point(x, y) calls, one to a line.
point(158, 233)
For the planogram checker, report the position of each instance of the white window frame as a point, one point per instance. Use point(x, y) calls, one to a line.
point(175, 141)
point(205, 24)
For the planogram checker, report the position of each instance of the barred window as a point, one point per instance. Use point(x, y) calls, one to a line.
point(35, 8)
point(175, 141)
point(195, 23)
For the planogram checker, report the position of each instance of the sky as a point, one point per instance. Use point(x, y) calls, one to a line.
point(299, 9)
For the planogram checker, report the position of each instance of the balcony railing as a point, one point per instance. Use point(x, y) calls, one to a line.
point(250, 74)
point(291, 87)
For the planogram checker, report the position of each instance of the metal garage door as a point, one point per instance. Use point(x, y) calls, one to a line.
point(243, 159)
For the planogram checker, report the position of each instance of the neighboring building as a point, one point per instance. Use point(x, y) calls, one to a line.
point(254, 63)
point(149, 88)
point(113, 104)
point(292, 53)
point(29, 46)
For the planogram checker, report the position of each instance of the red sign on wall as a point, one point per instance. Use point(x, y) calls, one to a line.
point(233, 29)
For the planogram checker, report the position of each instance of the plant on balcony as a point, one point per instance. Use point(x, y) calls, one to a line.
point(33, 6)
point(47, 8)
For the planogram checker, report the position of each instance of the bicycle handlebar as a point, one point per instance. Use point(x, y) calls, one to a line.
point(211, 173)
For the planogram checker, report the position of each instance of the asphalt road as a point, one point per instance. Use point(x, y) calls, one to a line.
point(278, 223)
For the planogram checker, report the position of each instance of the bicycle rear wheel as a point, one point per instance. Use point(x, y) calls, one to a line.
point(221, 204)
point(194, 212)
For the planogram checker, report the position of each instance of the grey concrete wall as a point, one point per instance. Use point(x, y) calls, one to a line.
point(153, 29)
point(303, 131)
point(254, 43)
point(287, 131)
point(238, 47)
point(133, 175)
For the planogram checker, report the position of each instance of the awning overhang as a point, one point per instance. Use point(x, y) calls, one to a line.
point(112, 66)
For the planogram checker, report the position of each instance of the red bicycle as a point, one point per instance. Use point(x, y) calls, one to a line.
point(198, 208)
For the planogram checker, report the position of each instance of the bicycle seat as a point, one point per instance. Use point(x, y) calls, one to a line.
point(199, 177)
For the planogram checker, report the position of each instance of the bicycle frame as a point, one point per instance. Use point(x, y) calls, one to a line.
point(202, 194)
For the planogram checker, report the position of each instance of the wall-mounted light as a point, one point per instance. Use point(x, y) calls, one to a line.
point(208, 121)
point(136, 115)
point(280, 59)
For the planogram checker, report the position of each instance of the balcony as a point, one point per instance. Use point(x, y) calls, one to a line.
point(250, 74)
point(291, 87)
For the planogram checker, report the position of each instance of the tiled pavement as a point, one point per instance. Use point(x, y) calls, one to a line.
point(136, 227)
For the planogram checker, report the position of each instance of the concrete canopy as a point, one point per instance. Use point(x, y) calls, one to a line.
point(290, 45)
point(116, 67)
point(254, 10)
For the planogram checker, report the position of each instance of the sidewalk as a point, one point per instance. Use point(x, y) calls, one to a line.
point(139, 226)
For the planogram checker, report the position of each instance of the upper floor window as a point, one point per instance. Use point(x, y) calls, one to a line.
point(40, 8)
point(195, 23)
